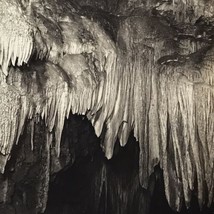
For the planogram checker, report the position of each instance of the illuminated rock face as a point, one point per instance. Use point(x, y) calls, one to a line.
point(138, 66)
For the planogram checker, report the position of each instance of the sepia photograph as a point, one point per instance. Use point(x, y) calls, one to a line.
point(106, 106)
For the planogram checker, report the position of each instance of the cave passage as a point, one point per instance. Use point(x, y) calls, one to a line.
point(92, 184)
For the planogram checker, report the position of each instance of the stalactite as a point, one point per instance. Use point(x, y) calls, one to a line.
point(32, 134)
point(16, 42)
point(171, 95)
point(119, 86)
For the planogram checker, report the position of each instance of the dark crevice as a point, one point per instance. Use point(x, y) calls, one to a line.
point(91, 183)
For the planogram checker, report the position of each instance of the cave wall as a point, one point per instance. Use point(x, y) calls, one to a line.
point(81, 180)
point(128, 66)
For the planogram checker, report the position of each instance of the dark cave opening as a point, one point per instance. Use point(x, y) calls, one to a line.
point(92, 184)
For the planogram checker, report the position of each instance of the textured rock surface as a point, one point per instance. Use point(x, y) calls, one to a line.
point(141, 66)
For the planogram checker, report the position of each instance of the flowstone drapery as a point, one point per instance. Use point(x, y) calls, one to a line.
point(146, 67)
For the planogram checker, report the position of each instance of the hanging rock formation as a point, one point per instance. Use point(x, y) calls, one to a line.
point(138, 66)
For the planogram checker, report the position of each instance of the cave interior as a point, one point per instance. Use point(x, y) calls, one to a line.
point(107, 106)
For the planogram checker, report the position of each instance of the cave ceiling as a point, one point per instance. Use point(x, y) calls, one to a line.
point(127, 65)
